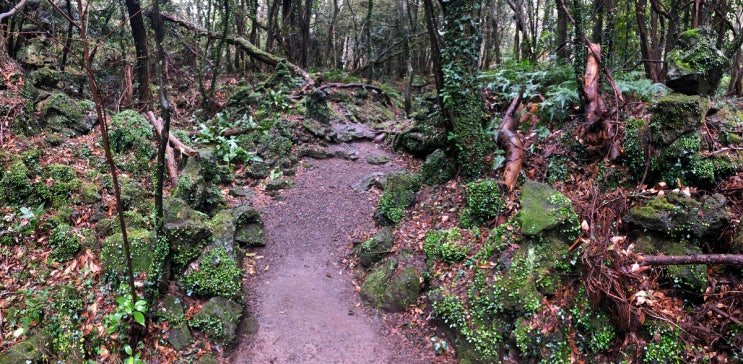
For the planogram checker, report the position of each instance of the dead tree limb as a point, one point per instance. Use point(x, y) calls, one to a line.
point(239, 42)
point(708, 259)
point(511, 142)
point(170, 160)
point(175, 143)
point(364, 86)
point(13, 10)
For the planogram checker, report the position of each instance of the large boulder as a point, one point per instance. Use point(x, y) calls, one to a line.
point(219, 319)
point(677, 215)
point(196, 186)
point(391, 289)
point(61, 114)
point(674, 115)
point(113, 258)
point(695, 65)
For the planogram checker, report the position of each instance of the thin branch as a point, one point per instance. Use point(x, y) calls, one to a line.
point(13, 10)
point(708, 259)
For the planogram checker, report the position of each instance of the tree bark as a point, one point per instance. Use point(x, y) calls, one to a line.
point(511, 142)
point(139, 33)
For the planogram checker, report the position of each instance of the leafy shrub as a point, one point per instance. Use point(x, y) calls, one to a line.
point(595, 333)
point(15, 186)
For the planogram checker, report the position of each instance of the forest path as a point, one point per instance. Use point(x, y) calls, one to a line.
point(302, 297)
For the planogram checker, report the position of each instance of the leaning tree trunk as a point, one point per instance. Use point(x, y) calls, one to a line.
point(461, 95)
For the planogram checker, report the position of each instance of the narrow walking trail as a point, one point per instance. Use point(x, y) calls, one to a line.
point(302, 298)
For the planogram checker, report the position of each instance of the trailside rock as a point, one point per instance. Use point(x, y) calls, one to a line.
point(695, 65)
point(544, 208)
point(376, 248)
point(438, 168)
point(390, 290)
point(676, 214)
point(186, 230)
point(219, 319)
point(113, 259)
point(248, 227)
point(196, 187)
point(674, 115)
point(64, 115)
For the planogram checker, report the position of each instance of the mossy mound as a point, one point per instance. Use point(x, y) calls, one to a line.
point(15, 185)
point(217, 275)
point(64, 242)
point(438, 168)
point(674, 115)
point(130, 137)
point(679, 216)
point(219, 318)
point(445, 245)
point(484, 201)
point(186, 230)
point(248, 227)
point(399, 193)
point(423, 138)
point(113, 258)
point(64, 115)
point(199, 193)
point(391, 289)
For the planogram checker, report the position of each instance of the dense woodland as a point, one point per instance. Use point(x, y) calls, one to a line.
point(574, 188)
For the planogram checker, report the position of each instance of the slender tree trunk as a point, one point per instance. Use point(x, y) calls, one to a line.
point(368, 45)
point(435, 40)
point(407, 57)
point(561, 38)
point(139, 33)
point(649, 62)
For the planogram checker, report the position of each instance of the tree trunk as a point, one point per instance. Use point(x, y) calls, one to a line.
point(651, 65)
point(139, 33)
point(435, 40)
point(461, 93)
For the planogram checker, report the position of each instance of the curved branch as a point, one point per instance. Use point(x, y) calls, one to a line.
point(511, 142)
point(13, 10)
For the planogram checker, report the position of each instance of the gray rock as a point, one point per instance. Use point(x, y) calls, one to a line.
point(674, 115)
point(676, 214)
point(170, 308)
point(377, 159)
point(543, 208)
point(248, 227)
point(186, 230)
point(278, 184)
point(196, 187)
point(179, 336)
point(369, 181)
point(390, 290)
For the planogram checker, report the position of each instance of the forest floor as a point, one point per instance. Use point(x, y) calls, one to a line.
point(302, 293)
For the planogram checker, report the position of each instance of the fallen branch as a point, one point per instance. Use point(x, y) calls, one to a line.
point(511, 142)
point(708, 259)
point(13, 10)
point(364, 86)
point(170, 160)
point(177, 144)
point(239, 42)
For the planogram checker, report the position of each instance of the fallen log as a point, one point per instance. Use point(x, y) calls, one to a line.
point(182, 148)
point(511, 142)
point(364, 86)
point(242, 43)
point(708, 259)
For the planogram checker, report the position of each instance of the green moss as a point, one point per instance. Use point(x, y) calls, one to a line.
point(399, 193)
point(219, 319)
point(130, 137)
point(114, 260)
point(669, 350)
point(594, 331)
point(64, 184)
point(15, 186)
point(675, 115)
point(445, 245)
point(484, 200)
point(218, 275)
point(437, 169)
point(64, 242)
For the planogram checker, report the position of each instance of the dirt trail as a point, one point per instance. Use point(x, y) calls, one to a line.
point(302, 297)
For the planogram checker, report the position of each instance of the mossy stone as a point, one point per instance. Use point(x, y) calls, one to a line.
point(317, 107)
point(62, 114)
point(484, 200)
point(186, 230)
point(113, 258)
point(179, 336)
point(376, 248)
point(248, 227)
point(15, 185)
point(219, 318)
point(90, 193)
point(28, 351)
point(399, 193)
point(170, 308)
point(197, 192)
point(676, 215)
point(544, 208)
point(695, 65)
point(674, 115)
point(438, 168)
point(377, 159)
point(390, 290)
point(217, 274)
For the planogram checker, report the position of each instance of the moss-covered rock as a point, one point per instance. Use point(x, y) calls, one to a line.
point(445, 245)
point(215, 275)
point(64, 183)
point(64, 242)
point(695, 65)
point(222, 226)
point(15, 185)
point(196, 191)
point(113, 258)
point(544, 209)
point(248, 227)
point(375, 248)
point(219, 318)
point(674, 115)
point(317, 108)
point(62, 114)
point(134, 195)
point(423, 138)
point(90, 193)
point(46, 77)
point(28, 351)
point(484, 201)
point(399, 193)
point(179, 336)
point(438, 168)
point(677, 215)
point(130, 137)
point(170, 308)
point(389, 289)
point(186, 230)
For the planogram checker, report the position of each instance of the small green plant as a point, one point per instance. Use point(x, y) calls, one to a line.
point(219, 275)
point(440, 346)
point(594, 331)
point(669, 350)
point(399, 193)
point(441, 245)
point(227, 148)
point(484, 200)
point(64, 242)
point(125, 310)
